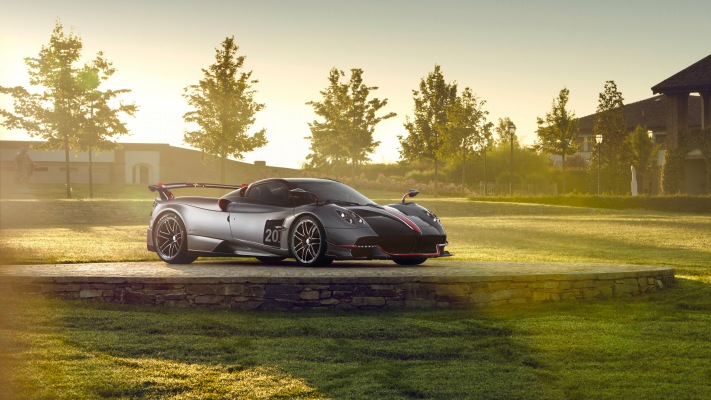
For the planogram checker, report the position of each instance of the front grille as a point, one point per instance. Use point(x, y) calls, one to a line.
point(403, 244)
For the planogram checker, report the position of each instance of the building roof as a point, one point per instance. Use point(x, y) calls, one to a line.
point(695, 78)
point(651, 112)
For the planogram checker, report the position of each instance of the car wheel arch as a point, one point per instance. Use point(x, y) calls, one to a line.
point(183, 256)
point(297, 219)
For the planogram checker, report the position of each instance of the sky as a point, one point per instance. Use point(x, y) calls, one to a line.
point(515, 55)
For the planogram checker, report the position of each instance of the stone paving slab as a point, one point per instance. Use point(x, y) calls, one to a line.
point(378, 269)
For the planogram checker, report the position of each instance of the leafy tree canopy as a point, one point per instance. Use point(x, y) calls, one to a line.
point(424, 139)
point(68, 109)
point(610, 124)
point(466, 129)
point(224, 108)
point(503, 132)
point(558, 131)
point(348, 120)
point(644, 151)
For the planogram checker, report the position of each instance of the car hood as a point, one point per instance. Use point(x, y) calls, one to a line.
point(397, 219)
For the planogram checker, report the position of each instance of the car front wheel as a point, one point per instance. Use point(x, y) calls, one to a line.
point(308, 243)
point(171, 240)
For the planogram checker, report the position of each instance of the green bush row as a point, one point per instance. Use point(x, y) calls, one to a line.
point(675, 203)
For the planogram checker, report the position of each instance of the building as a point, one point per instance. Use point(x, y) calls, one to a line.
point(688, 149)
point(680, 122)
point(131, 163)
point(650, 113)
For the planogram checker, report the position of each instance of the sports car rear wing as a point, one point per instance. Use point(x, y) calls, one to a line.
point(165, 194)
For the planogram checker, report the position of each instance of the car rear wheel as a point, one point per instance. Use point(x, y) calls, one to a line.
point(308, 243)
point(171, 240)
point(410, 261)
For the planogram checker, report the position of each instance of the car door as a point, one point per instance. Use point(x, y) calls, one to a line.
point(258, 220)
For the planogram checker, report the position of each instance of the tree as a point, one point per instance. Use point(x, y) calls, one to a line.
point(349, 120)
point(643, 151)
point(558, 131)
point(71, 113)
point(99, 121)
point(465, 130)
point(224, 108)
point(50, 114)
point(502, 130)
point(484, 146)
point(610, 123)
point(424, 139)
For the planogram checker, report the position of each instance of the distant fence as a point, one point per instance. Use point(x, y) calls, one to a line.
point(516, 189)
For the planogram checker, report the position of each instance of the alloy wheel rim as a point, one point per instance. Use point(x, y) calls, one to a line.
point(169, 238)
point(306, 241)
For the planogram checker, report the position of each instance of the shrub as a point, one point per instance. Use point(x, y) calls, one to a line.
point(676, 203)
point(506, 177)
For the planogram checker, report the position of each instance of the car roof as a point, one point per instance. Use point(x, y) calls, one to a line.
point(293, 181)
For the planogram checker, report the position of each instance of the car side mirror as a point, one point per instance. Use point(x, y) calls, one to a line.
point(410, 193)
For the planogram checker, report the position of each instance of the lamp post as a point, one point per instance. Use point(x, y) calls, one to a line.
point(486, 146)
point(512, 131)
point(598, 139)
point(652, 171)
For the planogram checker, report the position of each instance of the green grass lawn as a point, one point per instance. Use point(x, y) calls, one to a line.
point(476, 231)
point(654, 346)
point(49, 191)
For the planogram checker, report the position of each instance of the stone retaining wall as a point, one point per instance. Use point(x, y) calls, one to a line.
point(344, 293)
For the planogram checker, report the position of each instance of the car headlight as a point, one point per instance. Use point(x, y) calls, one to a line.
point(350, 217)
point(433, 217)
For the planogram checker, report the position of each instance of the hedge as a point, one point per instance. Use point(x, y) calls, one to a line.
point(676, 203)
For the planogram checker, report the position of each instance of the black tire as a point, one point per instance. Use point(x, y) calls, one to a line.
point(410, 261)
point(171, 240)
point(270, 260)
point(307, 243)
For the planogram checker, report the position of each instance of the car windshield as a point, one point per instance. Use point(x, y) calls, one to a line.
point(335, 192)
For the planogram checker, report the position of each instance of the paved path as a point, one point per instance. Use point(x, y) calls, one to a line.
point(247, 269)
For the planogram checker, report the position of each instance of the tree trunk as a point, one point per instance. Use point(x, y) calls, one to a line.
point(564, 181)
point(223, 162)
point(464, 170)
point(68, 182)
point(486, 182)
point(91, 166)
point(91, 178)
point(436, 176)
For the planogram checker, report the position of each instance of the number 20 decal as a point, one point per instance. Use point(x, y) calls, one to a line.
point(272, 235)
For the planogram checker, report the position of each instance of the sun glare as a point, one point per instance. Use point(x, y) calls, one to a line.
point(13, 70)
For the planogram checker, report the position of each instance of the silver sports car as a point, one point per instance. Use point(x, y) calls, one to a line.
point(314, 221)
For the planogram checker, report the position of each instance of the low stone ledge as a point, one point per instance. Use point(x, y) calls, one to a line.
point(345, 292)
